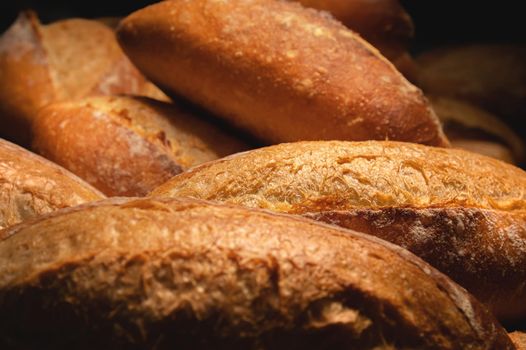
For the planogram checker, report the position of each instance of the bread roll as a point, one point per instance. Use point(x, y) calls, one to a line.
point(278, 70)
point(127, 145)
point(383, 23)
point(66, 59)
point(519, 340)
point(477, 130)
point(490, 76)
point(182, 274)
point(462, 212)
point(31, 186)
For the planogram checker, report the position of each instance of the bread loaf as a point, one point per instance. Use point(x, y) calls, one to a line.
point(31, 186)
point(462, 212)
point(182, 274)
point(127, 145)
point(470, 127)
point(73, 58)
point(278, 70)
point(490, 76)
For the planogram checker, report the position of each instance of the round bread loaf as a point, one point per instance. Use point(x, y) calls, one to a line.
point(280, 71)
point(72, 58)
point(462, 212)
point(31, 186)
point(185, 274)
point(127, 145)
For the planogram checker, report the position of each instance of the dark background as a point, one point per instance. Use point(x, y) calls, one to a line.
point(437, 22)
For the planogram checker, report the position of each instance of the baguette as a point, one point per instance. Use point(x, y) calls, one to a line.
point(278, 70)
point(73, 58)
point(472, 128)
point(463, 213)
point(183, 274)
point(31, 186)
point(127, 146)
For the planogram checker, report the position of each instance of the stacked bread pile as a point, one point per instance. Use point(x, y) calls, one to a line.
point(357, 225)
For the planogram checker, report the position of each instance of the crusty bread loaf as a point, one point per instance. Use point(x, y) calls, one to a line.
point(67, 59)
point(31, 186)
point(491, 76)
point(278, 70)
point(462, 212)
point(470, 127)
point(519, 340)
point(384, 23)
point(184, 274)
point(127, 145)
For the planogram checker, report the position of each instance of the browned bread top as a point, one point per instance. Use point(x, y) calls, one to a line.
point(519, 339)
point(31, 186)
point(383, 23)
point(21, 51)
point(462, 212)
point(72, 58)
point(281, 71)
point(127, 145)
point(338, 175)
point(191, 275)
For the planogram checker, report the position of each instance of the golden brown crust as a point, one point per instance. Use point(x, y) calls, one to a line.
point(188, 274)
point(472, 128)
point(519, 339)
point(491, 76)
point(280, 71)
point(21, 52)
point(67, 59)
point(31, 186)
point(384, 23)
point(476, 204)
point(127, 145)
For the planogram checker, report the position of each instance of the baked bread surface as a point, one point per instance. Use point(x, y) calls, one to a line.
point(126, 145)
point(67, 59)
point(168, 273)
point(31, 186)
point(462, 212)
point(278, 70)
